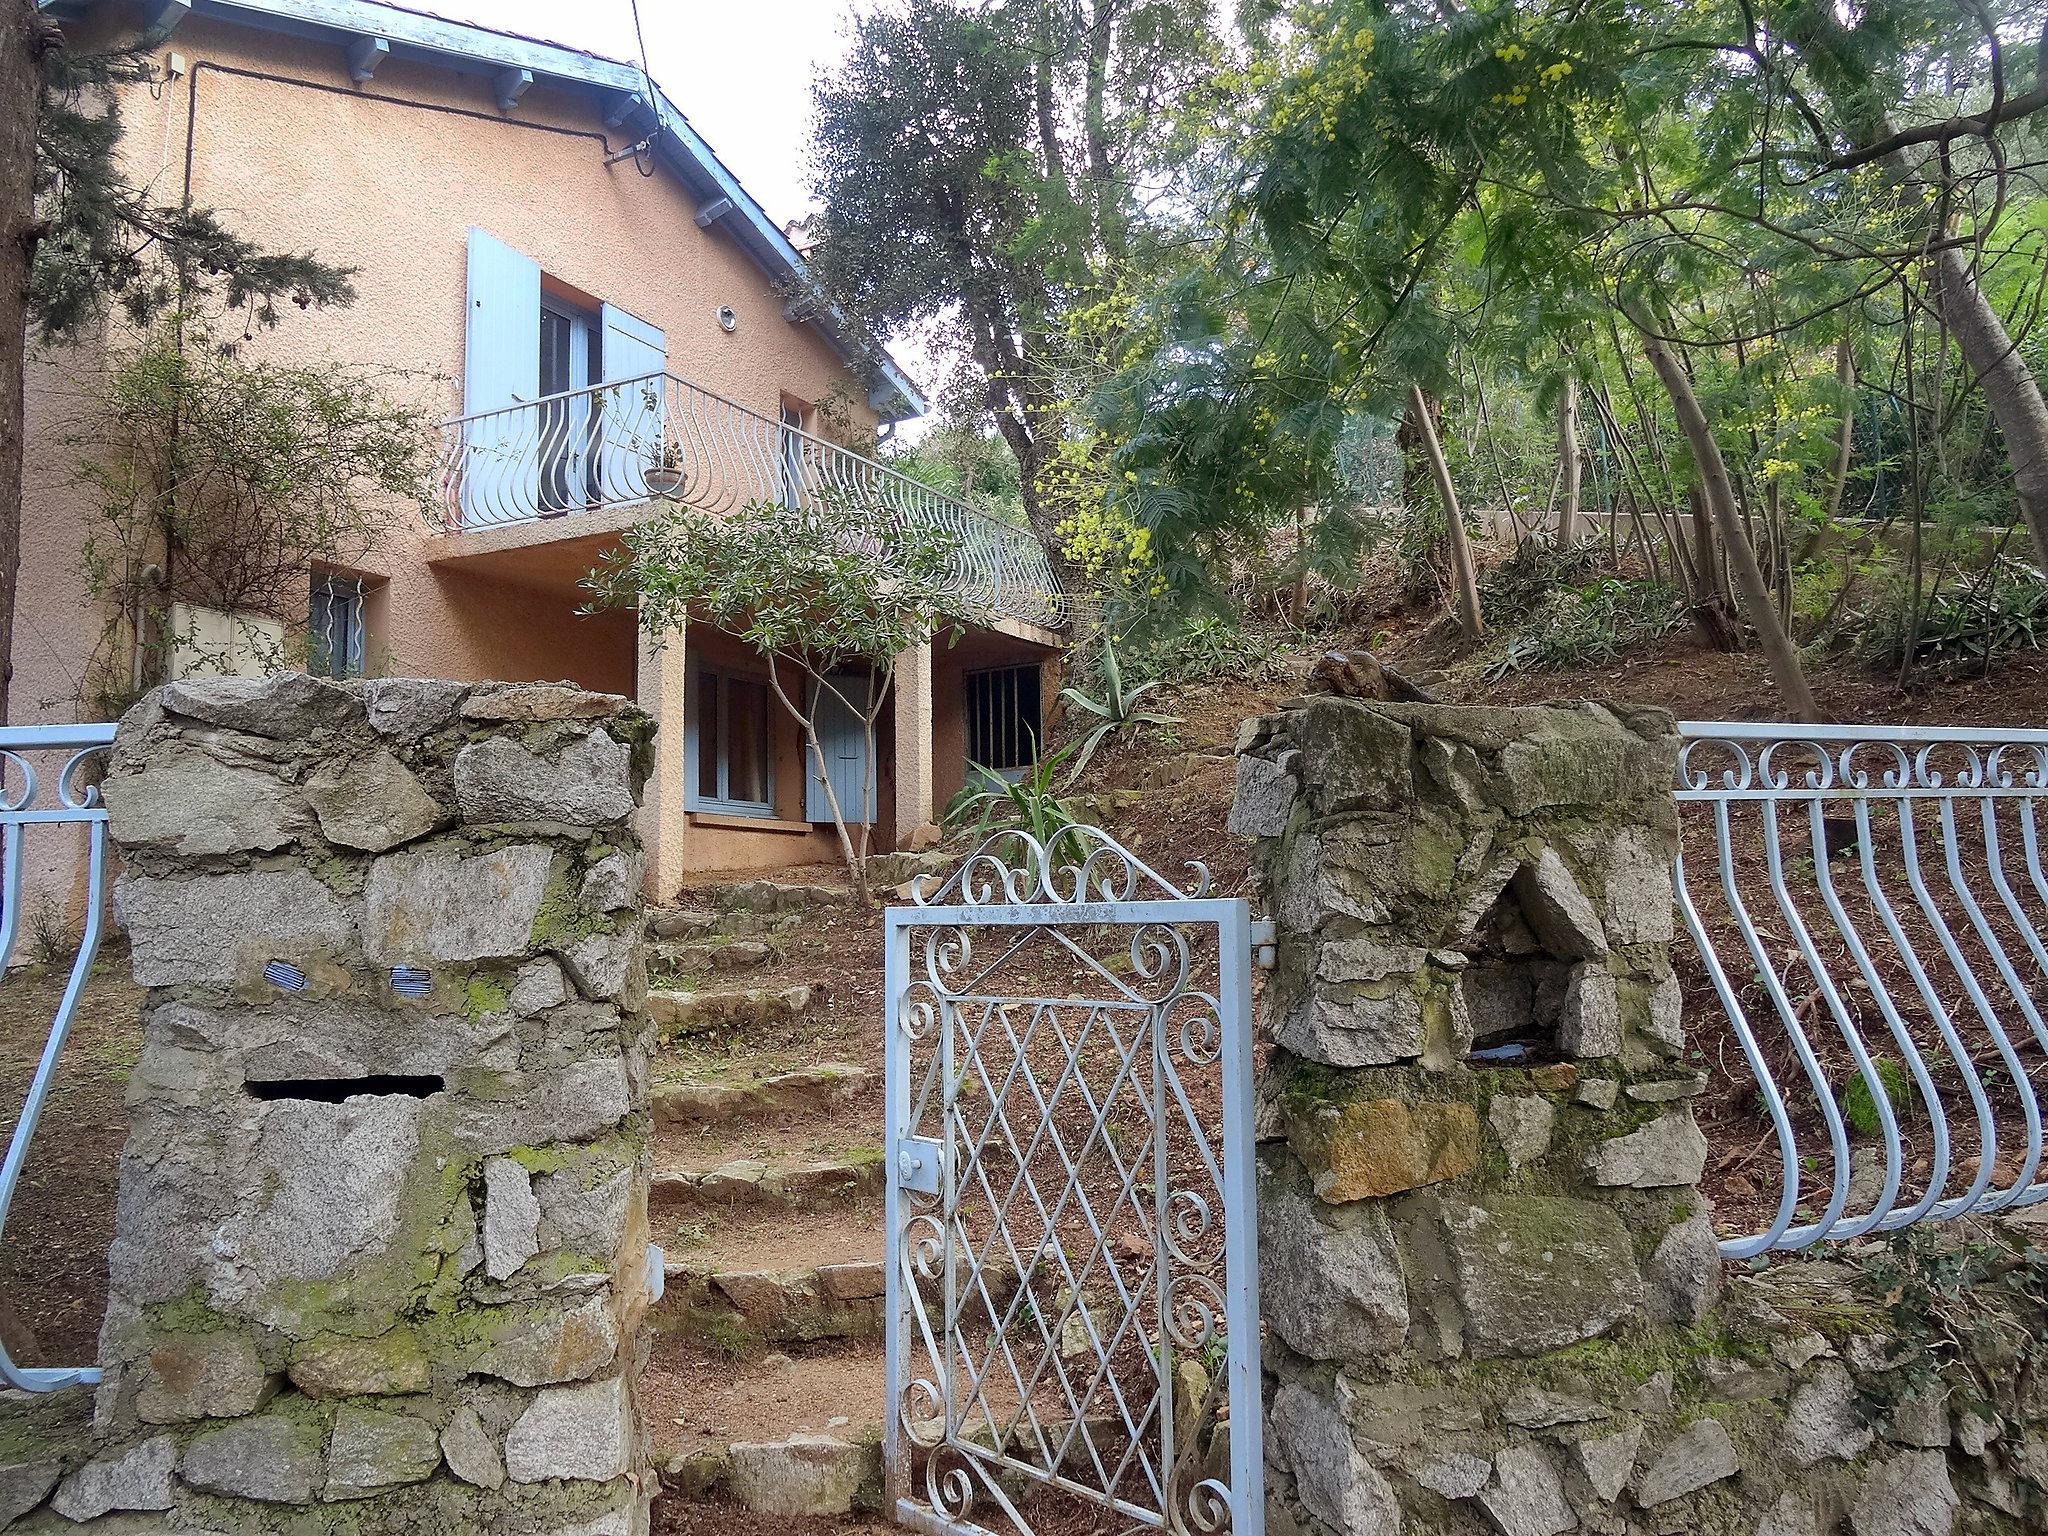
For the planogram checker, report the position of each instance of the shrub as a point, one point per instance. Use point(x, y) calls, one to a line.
point(1967, 625)
point(1859, 1103)
point(1586, 625)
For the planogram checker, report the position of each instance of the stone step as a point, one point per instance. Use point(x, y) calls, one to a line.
point(808, 1474)
point(680, 923)
point(716, 952)
point(770, 896)
point(734, 1422)
point(707, 1009)
point(759, 1182)
point(790, 1306)
point(805, 1090)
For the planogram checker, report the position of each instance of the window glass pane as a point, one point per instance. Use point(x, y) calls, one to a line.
point(747, 761)
point(554, 352)
point(704, 721)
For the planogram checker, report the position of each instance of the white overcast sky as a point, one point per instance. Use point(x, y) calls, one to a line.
point(740, 69)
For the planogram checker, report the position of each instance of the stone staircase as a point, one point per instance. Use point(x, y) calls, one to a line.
point(765, 1389)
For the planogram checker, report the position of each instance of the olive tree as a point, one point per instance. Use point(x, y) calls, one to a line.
point(819, 590)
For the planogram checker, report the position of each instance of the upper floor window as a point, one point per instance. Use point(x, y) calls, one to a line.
point(527, 339)
point(790, 455)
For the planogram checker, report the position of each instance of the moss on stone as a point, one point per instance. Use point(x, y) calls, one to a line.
point(484, 995)
point(561, 919)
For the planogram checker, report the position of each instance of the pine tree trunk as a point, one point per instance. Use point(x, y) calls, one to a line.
point(1753, 593)
point(1568, 462)
point(21, 42)
point(1464, 577)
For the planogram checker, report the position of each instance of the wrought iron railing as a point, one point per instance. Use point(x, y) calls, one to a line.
point(43, 786)
point(639, 440)
point(1868, 904)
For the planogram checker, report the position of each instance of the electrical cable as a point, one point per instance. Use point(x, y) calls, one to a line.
point(645, 163)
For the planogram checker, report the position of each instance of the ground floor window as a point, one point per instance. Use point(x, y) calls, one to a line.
point(334, 625)
point(728, 758)
point(1002, 718)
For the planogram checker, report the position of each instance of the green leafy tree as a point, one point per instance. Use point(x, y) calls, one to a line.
point(983, 168)
point(823, 591)
point(77, 239)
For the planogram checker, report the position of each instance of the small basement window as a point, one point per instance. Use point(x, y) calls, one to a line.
point(729, 761)
point(334, 625)
point(1003, 718)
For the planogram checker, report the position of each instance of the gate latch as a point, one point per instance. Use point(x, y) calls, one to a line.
point(1264, 942)
point(918, 1161)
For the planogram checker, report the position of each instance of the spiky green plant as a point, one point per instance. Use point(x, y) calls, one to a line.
point(1115, 711)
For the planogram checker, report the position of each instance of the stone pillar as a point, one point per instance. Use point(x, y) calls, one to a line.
point(382, 1259)
point(916, 806)
point(663, 678)
point(1479, 1158)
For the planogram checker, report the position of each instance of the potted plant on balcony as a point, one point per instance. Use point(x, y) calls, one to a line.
point(665, 468)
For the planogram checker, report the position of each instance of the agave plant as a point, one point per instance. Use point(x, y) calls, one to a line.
point(1114, 711)
point(990, 803)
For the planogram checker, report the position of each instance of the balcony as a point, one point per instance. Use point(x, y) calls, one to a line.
point(663, 438)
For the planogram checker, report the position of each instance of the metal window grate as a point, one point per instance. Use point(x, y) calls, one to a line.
point(334, 625)
point(1003, 717)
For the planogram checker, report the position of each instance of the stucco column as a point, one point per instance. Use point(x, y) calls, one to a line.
point(662, 673)
point(915, 805)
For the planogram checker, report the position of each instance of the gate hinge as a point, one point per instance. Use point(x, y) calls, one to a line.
point(918, 1162)
point(1264, 942)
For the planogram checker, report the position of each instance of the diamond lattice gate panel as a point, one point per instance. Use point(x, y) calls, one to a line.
point(1073, 1308)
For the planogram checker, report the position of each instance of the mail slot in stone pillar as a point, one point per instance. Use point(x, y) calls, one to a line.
point(1478, 1145)
point(382, 1247)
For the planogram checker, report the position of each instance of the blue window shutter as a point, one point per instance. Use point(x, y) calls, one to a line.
point(500, 368)
point(631, 349)
point(842, 735)
point(501, 345)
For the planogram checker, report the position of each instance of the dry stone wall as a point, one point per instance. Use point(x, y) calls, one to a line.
point(1492, 1292)
point(382, 1260)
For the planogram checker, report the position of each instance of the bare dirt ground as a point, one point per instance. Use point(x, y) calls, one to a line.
point(53, 1261)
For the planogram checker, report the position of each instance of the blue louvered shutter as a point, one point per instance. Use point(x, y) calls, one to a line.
point(635, 358)
point(842, 736)
point(500, 369)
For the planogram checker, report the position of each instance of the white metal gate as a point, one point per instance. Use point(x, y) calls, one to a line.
point(1073, 1292)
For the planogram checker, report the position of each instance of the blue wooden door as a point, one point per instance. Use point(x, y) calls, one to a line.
point(634, 356)
point(842, 737)
point(501, 374)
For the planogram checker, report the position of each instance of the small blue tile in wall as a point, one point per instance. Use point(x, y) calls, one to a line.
point(410, 981)
point(282, 973)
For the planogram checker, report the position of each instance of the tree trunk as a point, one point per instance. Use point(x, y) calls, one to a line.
point(1464, 578)
point(2011, 393)
point(2010, 390)
point(1751, 590)
point(1845, 440)
point(22, 39)
point(1568, 462)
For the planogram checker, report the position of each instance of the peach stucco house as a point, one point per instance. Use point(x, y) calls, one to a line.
point(542, 232)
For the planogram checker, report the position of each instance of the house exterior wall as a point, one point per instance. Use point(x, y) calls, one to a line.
point(388, 177)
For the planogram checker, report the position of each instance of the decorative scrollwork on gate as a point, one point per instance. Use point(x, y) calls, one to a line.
point(1072, 1309)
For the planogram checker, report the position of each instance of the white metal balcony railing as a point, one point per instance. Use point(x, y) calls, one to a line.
point(637, 439)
